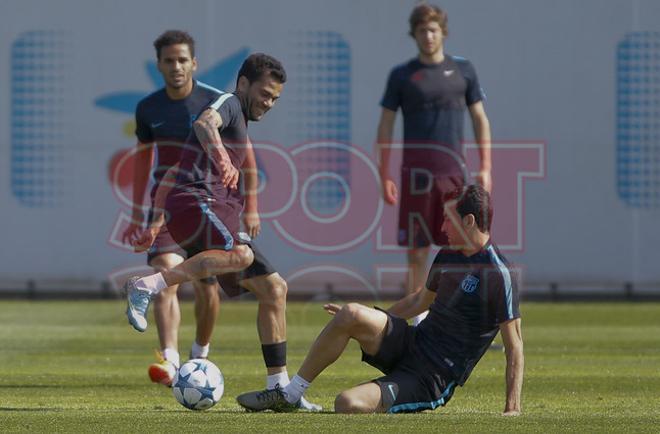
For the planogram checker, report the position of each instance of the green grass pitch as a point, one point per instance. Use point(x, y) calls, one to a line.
point(77, 366)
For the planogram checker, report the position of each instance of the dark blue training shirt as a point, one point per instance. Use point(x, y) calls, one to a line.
point(473, 296)
point(433, 99)
point(198, 173)
point(167, 123)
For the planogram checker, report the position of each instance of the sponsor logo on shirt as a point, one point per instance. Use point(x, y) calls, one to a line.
point(448, 72)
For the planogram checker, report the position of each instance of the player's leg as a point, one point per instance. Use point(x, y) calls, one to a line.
point(415, 229)
point(365, 325)
point(168, 318)
point(270, 291)
point(202, 265)
point(365, 398)
point(207, 306)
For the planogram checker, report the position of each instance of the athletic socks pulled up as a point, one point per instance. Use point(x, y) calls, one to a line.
point(199, 351)
point(152, 284)
point(296, 389)
point(280, 379)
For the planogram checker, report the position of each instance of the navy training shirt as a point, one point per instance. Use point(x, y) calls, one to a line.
point(168, 122)
point(433, 99)
point(198, 174)
point(473, 296)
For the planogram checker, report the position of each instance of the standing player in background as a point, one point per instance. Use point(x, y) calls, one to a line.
point(471, 296)
point(202, 202)
point(432, 91)
point(163, 123)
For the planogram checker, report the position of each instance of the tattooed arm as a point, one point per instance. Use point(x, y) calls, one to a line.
point(207, 131)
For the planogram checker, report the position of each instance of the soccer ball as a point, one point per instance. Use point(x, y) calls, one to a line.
point(198, 385)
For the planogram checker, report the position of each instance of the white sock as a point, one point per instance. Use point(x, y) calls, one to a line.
point(417, 319)
point(198, 350)
point(296, 389)
point(280, 379)
point(172, 355)
point(153, 284)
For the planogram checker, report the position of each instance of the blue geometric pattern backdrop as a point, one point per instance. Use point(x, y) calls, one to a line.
point(322, 111)
point(638, 119)
point(39, 129)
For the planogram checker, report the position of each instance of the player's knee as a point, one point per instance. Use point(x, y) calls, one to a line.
point(242, 257)
point(348, 316)
point(276, 291)
point(345, 403)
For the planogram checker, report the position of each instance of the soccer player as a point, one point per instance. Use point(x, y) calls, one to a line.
point(163, 123)
point(202, 201)
point(471, 295)
point(432, 91)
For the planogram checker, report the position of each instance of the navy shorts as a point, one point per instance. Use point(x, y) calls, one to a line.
point(410, 384)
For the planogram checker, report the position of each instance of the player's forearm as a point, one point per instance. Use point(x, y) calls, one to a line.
point(141, 171)
point(383, 147)
point(481, 126)
point(164, 188)
point(407, 307)
point(250, 181)
point(206, 130)
point(515, 363)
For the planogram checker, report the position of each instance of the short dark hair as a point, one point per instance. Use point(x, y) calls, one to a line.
point(475, 200)
point(425, 13)
point(174, 37)
point(259, 64)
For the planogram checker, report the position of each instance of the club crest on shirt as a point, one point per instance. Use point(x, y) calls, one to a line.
point(469, 283)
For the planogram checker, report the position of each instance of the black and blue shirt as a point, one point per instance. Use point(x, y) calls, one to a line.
point(199, 173)
point(433, 99)
point(168, 122)
point(474, 294)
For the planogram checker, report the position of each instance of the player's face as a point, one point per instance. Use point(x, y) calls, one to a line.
point(176, 65)
point(261, 97)
point(428, 37)
point(453, 225)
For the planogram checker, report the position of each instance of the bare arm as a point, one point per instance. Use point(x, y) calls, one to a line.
point(481, 127)
point(412, 304)
point(207, 131)
point(141, 169)
point(250, 184)
point(515, 363)
point(146, 239)
point(383, 150)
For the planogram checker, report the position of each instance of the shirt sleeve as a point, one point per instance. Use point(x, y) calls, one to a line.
point(505, 300)
point(473, 93)
point(433, 279)
point(142, 128)
point(392, 98)
point(223, 105)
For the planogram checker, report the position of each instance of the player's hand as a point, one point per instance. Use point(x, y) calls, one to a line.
point(332, 308)
point(390, 191)
point(146, 239)
point(485, 180)
point(511, 413)
point(131, 233)
point(252, 223)
point(228, 173)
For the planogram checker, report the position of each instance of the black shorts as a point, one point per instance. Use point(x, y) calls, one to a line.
point(230, 282)
point(421, 209)
point(410, 383)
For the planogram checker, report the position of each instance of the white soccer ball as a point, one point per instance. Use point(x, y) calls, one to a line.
point(198, 385)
